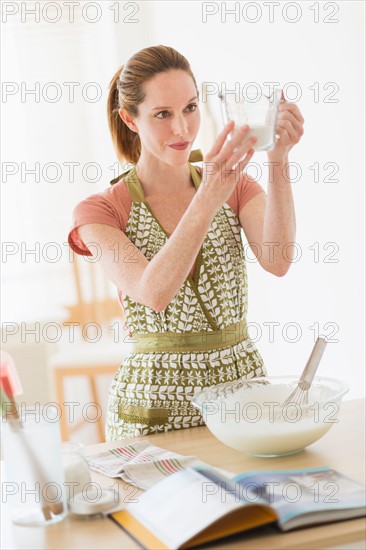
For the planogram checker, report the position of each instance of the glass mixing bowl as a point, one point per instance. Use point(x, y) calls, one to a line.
point(247, 415)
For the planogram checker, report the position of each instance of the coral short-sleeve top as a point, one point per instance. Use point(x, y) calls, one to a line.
point(112, 207)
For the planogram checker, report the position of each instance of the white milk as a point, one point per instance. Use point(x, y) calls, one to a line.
point(245, 422)
point(264, 135)
point(77, 471)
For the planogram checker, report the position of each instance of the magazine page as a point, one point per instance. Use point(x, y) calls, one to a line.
point(301, 493)
point(181, 506)
point(228, 484)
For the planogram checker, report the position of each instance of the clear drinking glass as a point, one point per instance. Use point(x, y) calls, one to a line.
point(34, 479)
point(259, 112)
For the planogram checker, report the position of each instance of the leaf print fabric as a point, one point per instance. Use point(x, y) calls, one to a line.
point(151, 391)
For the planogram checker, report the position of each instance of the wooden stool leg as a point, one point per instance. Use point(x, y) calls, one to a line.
point(60, 393)
point(99, 423)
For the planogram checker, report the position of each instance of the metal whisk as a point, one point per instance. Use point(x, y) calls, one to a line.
point(300, 394)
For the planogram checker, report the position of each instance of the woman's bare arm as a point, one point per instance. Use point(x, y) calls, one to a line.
point(269, 223)
point(152, 283)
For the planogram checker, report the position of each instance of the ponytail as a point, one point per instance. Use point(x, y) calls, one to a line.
point(126, 142)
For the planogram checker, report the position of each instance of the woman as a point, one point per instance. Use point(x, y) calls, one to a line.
point(169, 233)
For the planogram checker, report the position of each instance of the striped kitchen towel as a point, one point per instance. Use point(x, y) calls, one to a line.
point(142, 464)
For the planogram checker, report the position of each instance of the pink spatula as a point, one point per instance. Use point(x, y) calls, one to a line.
point(9, 381)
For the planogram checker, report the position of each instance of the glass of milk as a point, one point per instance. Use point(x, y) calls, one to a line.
point(258, 109)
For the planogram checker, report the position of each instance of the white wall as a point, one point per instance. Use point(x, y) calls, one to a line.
point(40, 130)
point(304, 52)
point(314, 290)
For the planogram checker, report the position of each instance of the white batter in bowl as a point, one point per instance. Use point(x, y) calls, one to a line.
point(247, 415)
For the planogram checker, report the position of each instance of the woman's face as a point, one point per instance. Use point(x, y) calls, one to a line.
point(168, 115)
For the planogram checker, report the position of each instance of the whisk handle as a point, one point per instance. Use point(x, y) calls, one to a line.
point(313, 361)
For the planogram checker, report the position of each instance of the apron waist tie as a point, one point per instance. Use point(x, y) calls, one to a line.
point(189, 341)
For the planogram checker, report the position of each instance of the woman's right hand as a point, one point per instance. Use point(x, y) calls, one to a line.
point(219, 173)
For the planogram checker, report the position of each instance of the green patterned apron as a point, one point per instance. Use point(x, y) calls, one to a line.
point(199, 340)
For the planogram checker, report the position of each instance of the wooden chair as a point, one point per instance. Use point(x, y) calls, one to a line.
point(84, 357)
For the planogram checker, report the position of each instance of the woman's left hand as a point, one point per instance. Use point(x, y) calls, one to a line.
point(289, 128)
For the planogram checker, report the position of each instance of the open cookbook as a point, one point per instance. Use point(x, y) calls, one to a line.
point(198, 504)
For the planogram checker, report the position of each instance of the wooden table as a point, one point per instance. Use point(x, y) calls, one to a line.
point(342, 448)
